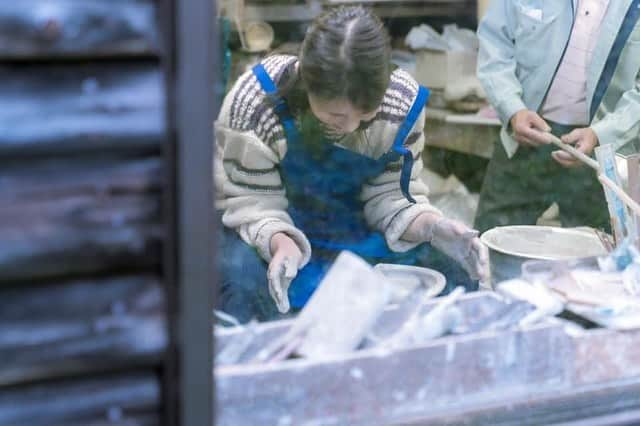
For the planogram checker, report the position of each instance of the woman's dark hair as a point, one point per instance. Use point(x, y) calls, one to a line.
point(346, 54)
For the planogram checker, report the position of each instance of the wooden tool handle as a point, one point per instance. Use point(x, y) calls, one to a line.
point(601, 177)
point(571, 150)
point(620, 193)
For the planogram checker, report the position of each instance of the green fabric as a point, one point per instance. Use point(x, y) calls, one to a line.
point(517, 190)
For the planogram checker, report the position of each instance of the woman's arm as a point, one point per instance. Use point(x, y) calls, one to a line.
point(249, 190)
point(386, 208)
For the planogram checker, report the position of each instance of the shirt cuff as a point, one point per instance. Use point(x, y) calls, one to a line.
point(508, 107)
point(606, 135)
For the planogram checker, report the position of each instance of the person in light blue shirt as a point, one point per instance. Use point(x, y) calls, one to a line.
point(567, 67)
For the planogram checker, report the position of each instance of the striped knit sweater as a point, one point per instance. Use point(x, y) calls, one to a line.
point(250, 142)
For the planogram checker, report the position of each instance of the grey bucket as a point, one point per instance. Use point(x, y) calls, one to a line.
point(511, 246)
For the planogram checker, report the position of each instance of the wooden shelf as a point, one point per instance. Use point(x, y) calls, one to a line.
point(384, 8)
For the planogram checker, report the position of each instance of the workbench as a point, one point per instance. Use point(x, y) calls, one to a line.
point(546, 373)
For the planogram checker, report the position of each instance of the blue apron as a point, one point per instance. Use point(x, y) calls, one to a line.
point(323, 188)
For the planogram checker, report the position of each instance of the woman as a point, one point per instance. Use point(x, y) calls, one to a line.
point(322, 153)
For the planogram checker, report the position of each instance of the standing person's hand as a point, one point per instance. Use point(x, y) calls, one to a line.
point(283, 268)
point(584, 140)
point(529, 128)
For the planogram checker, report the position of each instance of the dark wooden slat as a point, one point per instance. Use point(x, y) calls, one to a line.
point(68, 109)
point(79, 235)
point(80, 216)
point(64, 177)
point(37, 29)
point(81, 327)
point(193, 65)
point(70, 401)
point(106, 344)
point(81, 299)
point(116, 417)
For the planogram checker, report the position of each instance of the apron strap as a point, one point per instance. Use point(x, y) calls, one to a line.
point(401, 136)
point(291, 131)
point(280, 106)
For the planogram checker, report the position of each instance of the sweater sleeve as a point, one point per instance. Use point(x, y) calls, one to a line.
point(249, 146)
point(386, 209)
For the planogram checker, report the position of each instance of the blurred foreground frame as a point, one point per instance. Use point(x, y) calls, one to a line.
point(192, 77)
point(106, 233)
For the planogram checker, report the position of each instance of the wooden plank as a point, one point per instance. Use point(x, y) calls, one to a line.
point(80, 300)
point(79, 235)
point(45, 29)
point(474, 139)
point(72, 401)
point(79, 216)
point(97, 345)
point(81, 327)
point(51, 179)
point(383, 385)
point(397, 3)
point(617, 356)
point(116, 416)
point(445, 373)
point(63, 109)
point(296, 12)
point(612, 403)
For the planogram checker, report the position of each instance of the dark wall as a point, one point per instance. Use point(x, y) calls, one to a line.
point(83, 328)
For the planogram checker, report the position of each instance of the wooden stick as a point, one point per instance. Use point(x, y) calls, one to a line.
point(601, 177)
point(571, 150)
point(620, 193)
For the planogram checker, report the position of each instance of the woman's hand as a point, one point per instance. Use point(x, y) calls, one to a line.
point(456, 240)
point(461, 243)
point(283, 268)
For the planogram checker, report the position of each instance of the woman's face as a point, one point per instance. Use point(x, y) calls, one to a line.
point(339, 114)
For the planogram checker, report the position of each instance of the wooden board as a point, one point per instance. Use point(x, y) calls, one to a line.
point(82, 326)
point(387, 385)
point(442, 130)
point(71, 217)
point(57, 178)
point(546, 374)
point(81, 401)
point(612, 403)
point(384, 9)
point(79, 235)
point(45, 29)
point(70, 109)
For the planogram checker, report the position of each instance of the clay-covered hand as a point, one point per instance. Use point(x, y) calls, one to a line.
point(461, 243)
point(283, 268)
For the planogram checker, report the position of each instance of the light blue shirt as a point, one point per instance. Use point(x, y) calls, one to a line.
point(522, 43)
